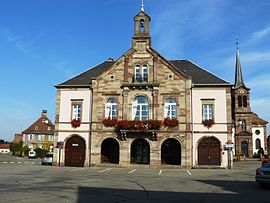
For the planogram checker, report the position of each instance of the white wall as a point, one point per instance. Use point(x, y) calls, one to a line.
point(259, 136)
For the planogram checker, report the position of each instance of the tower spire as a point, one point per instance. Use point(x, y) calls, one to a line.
point(238, 69)
point(142, 6)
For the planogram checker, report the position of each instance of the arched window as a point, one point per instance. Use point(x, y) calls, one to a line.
point(170, 108)
point(142, 27)
point(145, 73)
point(140, 108)
point(244, 101)
point(111, 109)
point(240, 101)
point(258, 143)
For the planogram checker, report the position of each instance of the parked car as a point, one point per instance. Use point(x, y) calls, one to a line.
point(47, 160)
point(32, 154)
point(263, 174)
point(264, 159)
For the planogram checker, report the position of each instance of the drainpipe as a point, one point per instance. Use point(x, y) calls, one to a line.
point(192, 124)
point(90, 123)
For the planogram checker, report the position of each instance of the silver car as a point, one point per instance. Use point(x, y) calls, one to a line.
point(47, 160)
point(263, 174)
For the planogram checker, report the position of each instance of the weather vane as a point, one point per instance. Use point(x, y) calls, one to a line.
point(142, 6)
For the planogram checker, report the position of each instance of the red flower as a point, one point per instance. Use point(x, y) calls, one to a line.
point(208, 123)
point(75, 123)
point(170, 123)
point(109, 122)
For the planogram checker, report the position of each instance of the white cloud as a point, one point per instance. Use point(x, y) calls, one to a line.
point(261, 33)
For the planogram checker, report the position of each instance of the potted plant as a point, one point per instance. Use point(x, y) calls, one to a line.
point(75, 123)
point(170, 122)
point(109, 122)
point(208, 123)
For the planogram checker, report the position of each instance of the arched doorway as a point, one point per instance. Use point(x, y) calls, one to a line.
point(209, 151)
point(244, 148)
point(75, 151)
point(171, 152)
point(110, 151)
point(140, 152)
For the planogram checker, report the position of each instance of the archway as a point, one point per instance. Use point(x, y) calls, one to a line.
point(171, 152)
point(140, 152)
point(110, 151)
point(209, 151)
point(75, 151)
point(244, 148)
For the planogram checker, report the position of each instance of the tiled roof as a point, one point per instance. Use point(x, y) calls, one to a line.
point(256, 120)
point(42, 126)
point(198, 74)
point(4, 146)
point(85, 78)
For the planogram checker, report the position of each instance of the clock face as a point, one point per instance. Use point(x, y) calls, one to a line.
point(242, 92)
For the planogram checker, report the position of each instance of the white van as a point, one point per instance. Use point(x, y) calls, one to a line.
point(32, 154)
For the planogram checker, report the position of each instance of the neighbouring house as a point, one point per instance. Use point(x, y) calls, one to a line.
point(18, 138)
point(249, 129)
point(40, 133)
point(143, 109)
point(4, 148)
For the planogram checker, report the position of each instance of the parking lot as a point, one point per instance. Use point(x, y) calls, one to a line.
point(26, 180)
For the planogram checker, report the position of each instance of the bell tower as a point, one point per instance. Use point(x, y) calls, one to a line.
point(242, 114)
point(141, 29)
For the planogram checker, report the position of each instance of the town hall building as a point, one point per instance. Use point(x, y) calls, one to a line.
point(148, 110)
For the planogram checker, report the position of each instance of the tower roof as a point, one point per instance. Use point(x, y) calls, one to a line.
point(239, 81)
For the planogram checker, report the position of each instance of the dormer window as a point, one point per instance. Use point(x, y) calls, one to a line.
point(142, 25)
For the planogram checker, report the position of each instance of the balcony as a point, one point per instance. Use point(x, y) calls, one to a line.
point(140, 82)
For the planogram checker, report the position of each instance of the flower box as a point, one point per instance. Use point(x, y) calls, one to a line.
point(75, 123)
point(208, 123)
point(170, 123)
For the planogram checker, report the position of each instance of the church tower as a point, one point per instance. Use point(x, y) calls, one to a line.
point(242, 112)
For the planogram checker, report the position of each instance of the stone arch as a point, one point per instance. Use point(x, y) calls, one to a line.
point(140, 152)
point(110, 151)
point(171, 152)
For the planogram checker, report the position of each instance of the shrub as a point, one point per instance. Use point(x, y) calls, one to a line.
point(41, 152)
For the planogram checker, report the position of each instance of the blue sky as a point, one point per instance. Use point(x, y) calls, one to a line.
point(45, 42)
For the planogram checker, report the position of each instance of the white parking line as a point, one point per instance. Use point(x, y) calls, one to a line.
point(132, 171)
point(19, 162)
point(11, 162)
point(26, 162)
point(102, 171)
point(5, 162)
point(189, 172)
point(79, 169)
point(160, 172)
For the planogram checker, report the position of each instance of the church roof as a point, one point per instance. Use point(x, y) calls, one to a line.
point(199, 75)
point(256, 120)
point(239, 81)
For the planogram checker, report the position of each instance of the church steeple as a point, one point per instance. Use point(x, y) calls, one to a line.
point(239, 82)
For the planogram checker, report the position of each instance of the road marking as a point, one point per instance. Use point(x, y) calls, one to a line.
point(19, 162)
point(78, 169)
point(5, 162)
point(189, 172)
point(32, 162)
point(160, 172)
point(132, 171)
point(102, 171)
point(11, 162)
point(26, 162)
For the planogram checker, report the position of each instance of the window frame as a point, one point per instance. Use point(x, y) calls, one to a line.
point(210, 112)
point(139, 107)
point(78, 103)
point(109, 114)
point(169, 106)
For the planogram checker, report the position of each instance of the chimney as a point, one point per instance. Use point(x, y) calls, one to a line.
point(44, 114)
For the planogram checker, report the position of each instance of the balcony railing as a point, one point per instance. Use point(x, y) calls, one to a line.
point(139, 79)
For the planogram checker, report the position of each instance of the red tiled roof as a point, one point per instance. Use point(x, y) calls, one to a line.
point(256, 120)
point(4, 146)
point(42, 126)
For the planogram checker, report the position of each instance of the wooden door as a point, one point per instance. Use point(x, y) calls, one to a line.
point(209, 151)
point(75, 152)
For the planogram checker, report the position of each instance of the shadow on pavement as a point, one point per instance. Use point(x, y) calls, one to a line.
point(232, 191)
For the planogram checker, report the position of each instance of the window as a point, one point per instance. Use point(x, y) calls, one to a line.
point(76, 111)
point(50, 137)
point(142, 25)
point(244, 101)
point(258, 143)
point(208, 109)
point(141, 73)
point(30, 137)
point(111, 109)
point(140, 108)
point(170, 108)
point(239, 101)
